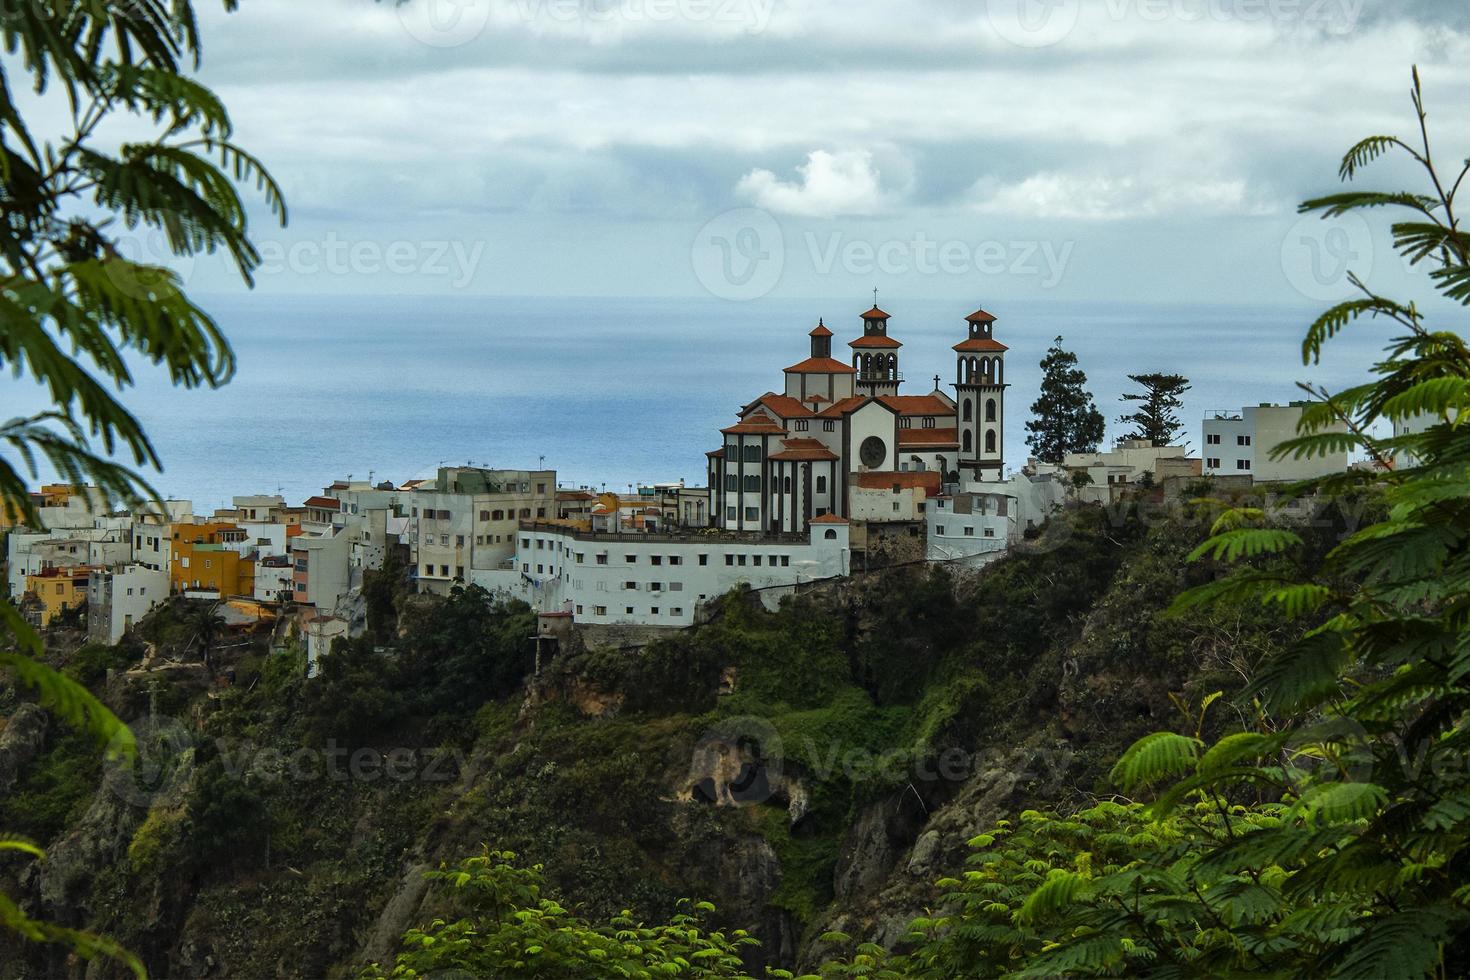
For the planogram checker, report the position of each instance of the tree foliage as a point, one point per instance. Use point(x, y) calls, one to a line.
point(1063, 417)
point(1157, 416)
point(74, 305)
point(511, 928)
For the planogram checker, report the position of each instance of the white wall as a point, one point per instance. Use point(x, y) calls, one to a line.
point(120, 598)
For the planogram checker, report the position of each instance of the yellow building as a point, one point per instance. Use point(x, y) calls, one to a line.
point(202, 559)
point(57, 590)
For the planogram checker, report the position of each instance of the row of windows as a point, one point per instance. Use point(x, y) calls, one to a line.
point(1213, 439)
point(804, 425)
point(1213, 462)
point(989, 410)
point(443, 571)
point(628, 610)
point(485, 515)
point(969, 531)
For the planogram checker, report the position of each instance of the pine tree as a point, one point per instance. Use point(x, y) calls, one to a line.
point(1064, 418)
point(1155, 419)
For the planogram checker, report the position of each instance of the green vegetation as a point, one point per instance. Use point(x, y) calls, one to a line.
point(1063, 417)
point(1156, 418)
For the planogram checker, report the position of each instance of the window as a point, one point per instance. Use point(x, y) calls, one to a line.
point(829, 426)
point(459, 540)
point(579, 610)
point(755, 560)
point(540, 570)
point(540, 488)
point(459, 571)
point(895, 506)
point(1212, 438)
point(602, 559)
point(969, 531)
point(786, 559)
point(729, 559)
point(801, 425)
point(444, 570)
point(752, 513)
point(821, 484)
point(655, 586)
point(704, 559)
point(428, 570)
point(752, 484)
point(676, 586)
point(928, 422)
point(630, 586)
point(628, 610)
point(752, 454)
point(631, 559)
point(990, 409)
point(444, 540)
point(653, 610)
point(740, 559)
point(525, 512)
point(581, 557)
point(526, 543)
point(731, 513)
point(676, 560)
point(905, 423)
point(484, 515)
point(676, 611)
point(830, 534)
point(540, 511)
point(497, 515)
point(990, 441)
point(1242, 464)
point(939, 529)
point(966, 416)
point(1213, 462)
point(1242, 440)
point(773, 560)
point(599, 610)
point(990, 532)
point(656, 559)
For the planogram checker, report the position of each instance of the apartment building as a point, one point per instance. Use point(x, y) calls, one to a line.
point(467, 520)
point(1239, 443)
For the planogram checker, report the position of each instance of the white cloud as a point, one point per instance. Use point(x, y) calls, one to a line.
point(1096, 197)
point(831, 184)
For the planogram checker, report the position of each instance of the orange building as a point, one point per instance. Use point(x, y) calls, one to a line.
point(202, 558)
point(57, 590)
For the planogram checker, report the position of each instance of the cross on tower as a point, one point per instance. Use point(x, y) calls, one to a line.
point(936, 382)
point(875, 297)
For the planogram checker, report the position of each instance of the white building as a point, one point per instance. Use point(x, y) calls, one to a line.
point(274, 577)
point(1131, 462)
point(660, 579)
point(119, 597)
point(467, 521)
point(977, 522)
point(1240, 444)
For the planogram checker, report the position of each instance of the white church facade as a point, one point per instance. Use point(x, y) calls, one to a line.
point(799, 454)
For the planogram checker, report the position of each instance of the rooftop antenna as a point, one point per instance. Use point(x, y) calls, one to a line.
point(541, 462)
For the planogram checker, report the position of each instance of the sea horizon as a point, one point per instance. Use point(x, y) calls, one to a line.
point(617, 391)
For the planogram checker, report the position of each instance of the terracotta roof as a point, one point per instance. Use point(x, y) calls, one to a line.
point(757, 423)
point(842, 406)
point(716, 453)
point(784, 406)
point(800, 450)
point(874, 340)
point(820, 365)
point(980, 316)
point(323, 503)
point(816, 399)
point(829, 519)
point(820, 330)
point(928, 480)
point(928, 437)
point(979, 344)
point(932, 404)
point(875, 314)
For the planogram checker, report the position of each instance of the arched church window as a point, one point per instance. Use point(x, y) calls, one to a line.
point(990, 441)
point(990, 409)
point(967, 410)
point(967, 441)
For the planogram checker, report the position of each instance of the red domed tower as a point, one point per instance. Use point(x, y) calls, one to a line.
point(875, 357)
point(980, 392)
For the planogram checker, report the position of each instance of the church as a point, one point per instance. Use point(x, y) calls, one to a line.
point(795, 456)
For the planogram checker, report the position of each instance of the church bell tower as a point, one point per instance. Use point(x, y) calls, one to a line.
point(875, 356)
point(980, 398)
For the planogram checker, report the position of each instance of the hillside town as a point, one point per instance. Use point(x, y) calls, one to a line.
point(836, 471)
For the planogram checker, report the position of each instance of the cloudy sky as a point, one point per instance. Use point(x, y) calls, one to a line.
point(1070, 149)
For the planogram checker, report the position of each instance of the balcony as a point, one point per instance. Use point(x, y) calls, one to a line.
point(1222, 415)
point(880, 376)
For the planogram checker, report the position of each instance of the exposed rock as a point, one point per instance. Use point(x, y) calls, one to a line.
point(21, 740)
point(398, 914)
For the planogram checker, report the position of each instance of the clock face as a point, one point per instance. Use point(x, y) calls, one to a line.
point(872, 452)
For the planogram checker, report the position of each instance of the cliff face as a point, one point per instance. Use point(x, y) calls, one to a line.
point(809, 770)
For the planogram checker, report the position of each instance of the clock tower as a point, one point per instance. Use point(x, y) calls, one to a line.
point(980, 398)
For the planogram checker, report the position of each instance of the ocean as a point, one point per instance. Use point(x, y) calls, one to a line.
point(612, 392)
